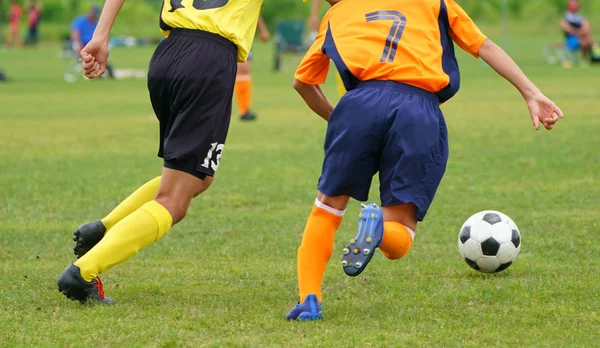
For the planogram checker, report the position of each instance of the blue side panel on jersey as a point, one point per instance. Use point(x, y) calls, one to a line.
point(329, 48)
point(449, 63)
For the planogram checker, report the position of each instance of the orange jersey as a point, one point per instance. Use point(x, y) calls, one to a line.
point(407, 41)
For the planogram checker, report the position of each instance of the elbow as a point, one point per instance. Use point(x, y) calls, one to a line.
point(486, 47)
point(297, 84)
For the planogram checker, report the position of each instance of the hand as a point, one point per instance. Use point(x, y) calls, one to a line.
point(544, 111)
point(94, 57)
point(264, 36)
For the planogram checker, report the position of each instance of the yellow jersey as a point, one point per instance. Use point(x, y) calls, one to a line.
point(235, 20)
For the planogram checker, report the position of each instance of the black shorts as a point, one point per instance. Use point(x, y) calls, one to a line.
point(191, 79)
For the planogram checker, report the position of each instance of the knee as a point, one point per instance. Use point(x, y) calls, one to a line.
point(338, 202)
point(177, 206)
point(205, 185)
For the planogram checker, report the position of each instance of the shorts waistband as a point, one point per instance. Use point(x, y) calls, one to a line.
point(202, 34)
point(399, 86)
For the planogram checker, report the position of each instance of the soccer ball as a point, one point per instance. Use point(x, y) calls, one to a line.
point(489, 241)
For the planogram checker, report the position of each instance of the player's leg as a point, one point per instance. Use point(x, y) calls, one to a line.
point(587, 41)
point(314, 252)
point(399, 227)
point(191, 143)
point(243, 90)
point(351, 148)
point(412, 167)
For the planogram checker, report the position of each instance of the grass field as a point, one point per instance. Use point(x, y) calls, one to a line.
point(226, 275)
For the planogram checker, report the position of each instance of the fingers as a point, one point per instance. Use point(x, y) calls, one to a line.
point(558, 112)
point(92, 70)
point(85, 57)
point(101, 69)
point(536, 122)
point(88, 63)
point(548, 126)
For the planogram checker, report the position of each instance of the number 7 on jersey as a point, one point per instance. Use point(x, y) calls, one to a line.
point(398, 25)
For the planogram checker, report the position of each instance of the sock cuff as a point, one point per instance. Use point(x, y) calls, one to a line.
point(160, 214)
point(394, 223)
point(329, 209)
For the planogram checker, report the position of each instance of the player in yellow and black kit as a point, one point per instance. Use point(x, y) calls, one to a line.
point(191, 80)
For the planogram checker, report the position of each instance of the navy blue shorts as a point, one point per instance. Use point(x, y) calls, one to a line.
point(391, 128)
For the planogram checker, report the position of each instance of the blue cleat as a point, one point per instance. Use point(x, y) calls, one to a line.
point(310, 309)
point(359, 252)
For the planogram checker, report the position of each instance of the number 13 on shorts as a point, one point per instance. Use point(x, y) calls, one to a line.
point(216, 151)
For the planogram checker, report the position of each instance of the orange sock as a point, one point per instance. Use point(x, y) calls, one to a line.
point(243, 92)
point(397, 240)
point(316, 248)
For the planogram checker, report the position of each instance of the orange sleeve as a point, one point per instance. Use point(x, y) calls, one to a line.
point(315, 65)
point(463, 31)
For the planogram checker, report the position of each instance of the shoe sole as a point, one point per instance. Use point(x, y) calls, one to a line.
point(361, 248)
point(87, 236)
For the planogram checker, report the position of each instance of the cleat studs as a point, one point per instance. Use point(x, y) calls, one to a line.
point(369, 239)
point(344, 263)
point(360, 215)
point(366, 251)
point(358, 264)
point(363, 206)
point(346, 251)
point(356, 250)
point(372, 216)
point(352, 241)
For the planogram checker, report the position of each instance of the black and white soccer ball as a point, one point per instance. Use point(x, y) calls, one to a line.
point(489, 241)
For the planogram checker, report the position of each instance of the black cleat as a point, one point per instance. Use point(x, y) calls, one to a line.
point(72, 285)
point(87, 236)
point(248, 116)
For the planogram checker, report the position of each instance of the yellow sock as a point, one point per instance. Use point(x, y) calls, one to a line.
point(243, 92)
point(316, 248)
point(136, 231)
point(340, 85)
point(397, 240)
point(141, 196)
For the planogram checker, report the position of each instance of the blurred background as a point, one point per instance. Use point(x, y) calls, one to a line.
point(139, 17)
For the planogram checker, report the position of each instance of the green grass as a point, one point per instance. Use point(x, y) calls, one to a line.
point(226, 275)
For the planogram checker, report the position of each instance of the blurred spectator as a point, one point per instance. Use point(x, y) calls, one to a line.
point(33, 20)
point(82, 28)
point(578, 31)
point(14, 24)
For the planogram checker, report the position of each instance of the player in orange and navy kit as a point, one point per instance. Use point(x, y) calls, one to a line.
point(191, 80)
point(397, 61)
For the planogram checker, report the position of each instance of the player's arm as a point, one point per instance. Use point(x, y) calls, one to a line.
point(94, 56)
point(541, 108)
point(468, 36)
point(313, 18)
point(315, 98)
point(263, 29)
point(311, 73)
point(107, 19)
